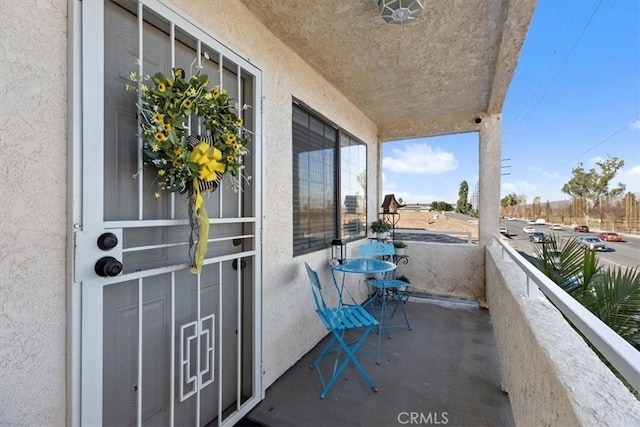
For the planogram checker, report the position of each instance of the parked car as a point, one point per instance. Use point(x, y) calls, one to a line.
point(538, 237)
point(609, 236)
point(581, 228)
point(504, 230)
point(592, 243)
point(528, 229)
point(555, 227)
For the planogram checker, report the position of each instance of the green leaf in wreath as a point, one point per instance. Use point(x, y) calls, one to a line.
point(150, 154)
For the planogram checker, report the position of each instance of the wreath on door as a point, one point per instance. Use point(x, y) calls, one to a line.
point(194, 164)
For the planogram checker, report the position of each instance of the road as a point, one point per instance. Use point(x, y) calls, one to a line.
point(625, 253)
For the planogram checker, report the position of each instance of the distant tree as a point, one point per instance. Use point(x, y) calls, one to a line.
point(536, 206)
point(593, 185)
point(510, 200)
point(463, 206)
point(441, 206)
point(547, 210)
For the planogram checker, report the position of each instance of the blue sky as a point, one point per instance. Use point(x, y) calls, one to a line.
point(575, 97)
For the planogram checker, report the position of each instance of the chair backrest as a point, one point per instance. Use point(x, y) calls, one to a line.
point(376, 249)
point(316, 288)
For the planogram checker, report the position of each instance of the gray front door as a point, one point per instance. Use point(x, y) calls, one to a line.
point(160, 345)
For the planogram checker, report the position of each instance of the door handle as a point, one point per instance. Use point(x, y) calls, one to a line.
point(107, 241)
point(108, 266)
point(234, 264)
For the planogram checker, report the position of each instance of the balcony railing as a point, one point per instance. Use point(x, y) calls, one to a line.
point(622, 355)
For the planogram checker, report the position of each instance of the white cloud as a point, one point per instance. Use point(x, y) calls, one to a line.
point(419, 159)
point(635, 125)
point(518, 187)
point(634, 171)
point(550, 175)
point(631, 177)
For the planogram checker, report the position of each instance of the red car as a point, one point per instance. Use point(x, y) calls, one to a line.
point(610, 237)
point(581, 228)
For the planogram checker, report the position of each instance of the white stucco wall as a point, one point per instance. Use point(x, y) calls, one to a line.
point(553, 378)
point(33, 141)
point(489, 177)
point(432, 269)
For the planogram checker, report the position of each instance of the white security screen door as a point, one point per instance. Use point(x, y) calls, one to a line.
point(160, 345)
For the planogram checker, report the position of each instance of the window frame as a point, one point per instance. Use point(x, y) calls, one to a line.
point(337, 213)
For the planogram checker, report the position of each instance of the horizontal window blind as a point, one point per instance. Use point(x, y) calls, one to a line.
point(314, 181)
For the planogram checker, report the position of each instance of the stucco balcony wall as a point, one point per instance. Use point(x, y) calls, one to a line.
point(551, 375)
point(445, 269)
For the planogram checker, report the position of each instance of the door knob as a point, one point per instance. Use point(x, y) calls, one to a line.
point(107, 241)
point(234, 264)
point(108, 266)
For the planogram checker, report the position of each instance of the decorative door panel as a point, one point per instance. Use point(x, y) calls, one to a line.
point(160, 345)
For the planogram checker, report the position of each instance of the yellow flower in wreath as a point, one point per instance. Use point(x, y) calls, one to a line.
point(159, 136)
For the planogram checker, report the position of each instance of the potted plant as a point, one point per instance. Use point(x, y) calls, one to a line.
point(381, 228)
point(400, 246)
point(404, 279)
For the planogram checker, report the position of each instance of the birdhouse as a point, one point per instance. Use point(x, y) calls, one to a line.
point(390, 205)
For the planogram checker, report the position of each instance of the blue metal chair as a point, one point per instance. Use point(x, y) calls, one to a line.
point(386, 289)
point(339, 320)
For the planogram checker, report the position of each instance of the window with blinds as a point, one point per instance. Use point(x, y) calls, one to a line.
point(328, 201)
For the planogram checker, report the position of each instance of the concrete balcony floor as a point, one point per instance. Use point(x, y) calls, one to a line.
point(444, 371)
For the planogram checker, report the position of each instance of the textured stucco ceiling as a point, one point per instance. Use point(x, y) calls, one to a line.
point(428, 77)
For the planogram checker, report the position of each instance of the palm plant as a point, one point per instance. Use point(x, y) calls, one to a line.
point(612, 295)
point(615, 299)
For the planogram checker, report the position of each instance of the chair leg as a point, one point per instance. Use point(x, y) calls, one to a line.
point(325, 351)
point(350, 357)
point(400, 303)
point(383, 322)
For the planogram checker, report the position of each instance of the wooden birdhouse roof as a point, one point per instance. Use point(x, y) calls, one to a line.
point(389, 201)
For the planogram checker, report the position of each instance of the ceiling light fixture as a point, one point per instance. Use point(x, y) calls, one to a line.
point(399, 12)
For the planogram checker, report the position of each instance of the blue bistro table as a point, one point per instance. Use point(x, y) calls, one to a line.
point(359, 266)
point(366, 266)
